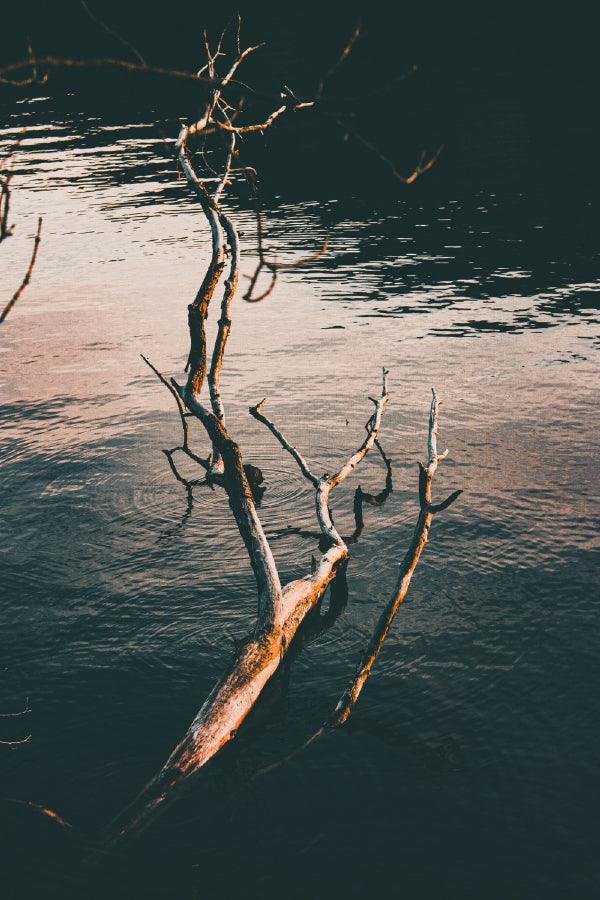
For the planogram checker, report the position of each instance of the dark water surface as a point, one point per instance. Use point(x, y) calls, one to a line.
point(470, 765)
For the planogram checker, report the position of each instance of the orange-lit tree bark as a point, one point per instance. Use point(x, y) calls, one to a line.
point(281, 610)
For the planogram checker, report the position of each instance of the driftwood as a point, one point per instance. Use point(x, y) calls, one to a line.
point(281, 610)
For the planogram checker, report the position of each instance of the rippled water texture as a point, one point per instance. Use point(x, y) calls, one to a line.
point(470, 765)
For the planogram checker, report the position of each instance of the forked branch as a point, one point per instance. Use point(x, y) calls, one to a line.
point(420, 535)
point(281, 611)
point(407, 567)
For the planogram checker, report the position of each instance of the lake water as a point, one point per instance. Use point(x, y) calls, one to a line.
point(469, 767)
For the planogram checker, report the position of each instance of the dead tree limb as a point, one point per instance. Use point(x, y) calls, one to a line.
point(419, 539)
point(6, 174)
point(185, 447)
point(22, 712)
point(6, 230)
point(111, 32)
point(280, 610)
point(409, 563)
point(280, 615)
point(25, 282)
point(13, 744)
point(424, 164)
point(52, 62)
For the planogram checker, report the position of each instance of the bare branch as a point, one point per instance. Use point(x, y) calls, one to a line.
point(350, 696)
point(25, 281)
point(344, 54)
point(205, 463)
point(247, 129)
point(112, 33)
point(53, 62)
point(372, 430)
point(224, 324)
point(233, 479)
point(421, 167)
point(420, 535)
point(255, 411)
point(22, 712)
point(325, 485)
point(240, 57)
point(15, 743)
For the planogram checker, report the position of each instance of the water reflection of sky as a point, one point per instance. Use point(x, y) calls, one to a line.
point(485, 298)
point(124, 245)
point(496, 261)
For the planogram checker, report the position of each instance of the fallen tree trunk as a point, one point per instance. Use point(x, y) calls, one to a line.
point(280, 611)
point(261, 653)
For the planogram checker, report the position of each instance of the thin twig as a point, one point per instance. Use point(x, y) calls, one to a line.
point(44, 811)
point(255, 411)
point(372, 430)
point(22, 712)
point(419, 169)
point(344, 54)
point(25, 281)
point(112, 33)
point(53, 62)
point(205, 463)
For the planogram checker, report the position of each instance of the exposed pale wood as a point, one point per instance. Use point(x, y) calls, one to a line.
point(409, 563)
point(230, 701)
point(280, 611)
point(325, 485)
point(259, 657)
point(420, 537)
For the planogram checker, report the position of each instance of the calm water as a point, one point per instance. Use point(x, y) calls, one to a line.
point(470, 765)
